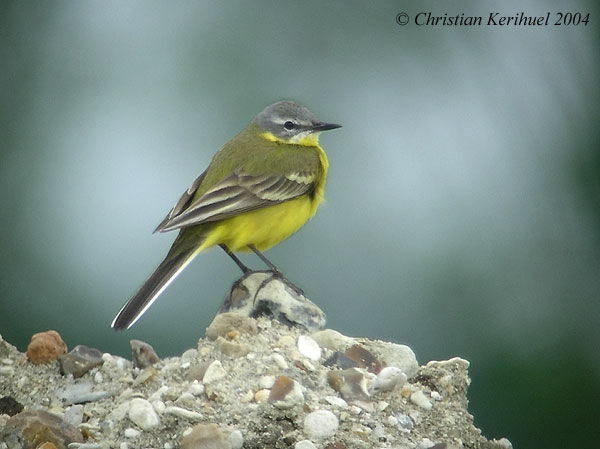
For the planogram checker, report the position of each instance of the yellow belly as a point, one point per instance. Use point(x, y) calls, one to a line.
point(263, 227)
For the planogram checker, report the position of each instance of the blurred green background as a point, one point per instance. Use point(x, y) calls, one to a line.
point(463, 201)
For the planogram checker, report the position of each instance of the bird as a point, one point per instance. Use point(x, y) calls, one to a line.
point(260, 188)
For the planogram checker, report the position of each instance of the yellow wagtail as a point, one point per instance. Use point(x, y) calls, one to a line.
point(259, 189)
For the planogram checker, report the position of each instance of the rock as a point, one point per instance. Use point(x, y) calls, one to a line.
point(320, 424)
point(404, 422)
point(261, 293)
point(31, 428)
point(305, 444)
point(332, 339)
point(226, 322)
point(363, 358)
point(309, 348)
point(286, 393)
point(80, 360)
point(350, 383)
point(142, 354)
point(232, 349)
point(142, 414)
point(182, 413)
point(9, 406)
point(419, 398)
point(340, 360)
point(214, 372)
point(74, 415)
point(236, 439)
point(131, 433)
point(392, 354)
point(205, 436)
point(45, 347)
point(388, 378)
point(77, 393)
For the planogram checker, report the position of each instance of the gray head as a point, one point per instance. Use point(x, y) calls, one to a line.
point(291, 122)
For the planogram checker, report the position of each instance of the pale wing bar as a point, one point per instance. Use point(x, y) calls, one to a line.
point(240, 193)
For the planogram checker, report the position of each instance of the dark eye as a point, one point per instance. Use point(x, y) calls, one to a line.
point(289, 125)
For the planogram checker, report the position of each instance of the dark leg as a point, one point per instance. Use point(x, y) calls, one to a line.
point(264, 258)
point(276, 273)
point(238, 262)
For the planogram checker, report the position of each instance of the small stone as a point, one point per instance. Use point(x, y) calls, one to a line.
point(350, 383)
point(503, 443)
point(236, 439)
point(214, 372)
point(80, 360)
point(131, 433)
point(286, 393)
point(392, 354)
point(158, 406)
point(262, 395)
point(340, 360)
point(336, 401)
point(232, 349)
point(333, 340)
point(142, 354)
point(226, 322)
point(31, 427)
point(364, 358)
point(286, 340)
point(142, 414)
point(247, 397)
point(74, 415)
point(78, 393)
point(419, 398)
point(45, 347)
point(388, 378)
point(305, 444)
point(205, 436)
point(266, 381)
point(436, 396)
point(309, 348)
point(404, 422)
point(9, 406)
point(190, 355)
point(186, 398)
point(320, 424)
point(425, 443)
point(6, 371)
point(182, 413)
point(279, 360)
point(196, 388)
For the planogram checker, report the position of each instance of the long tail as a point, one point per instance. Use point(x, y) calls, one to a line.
point(167, 271)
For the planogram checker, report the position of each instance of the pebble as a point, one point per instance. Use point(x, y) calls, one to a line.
point(419, 398)
point(142, 354)
point(320, 424)
point(226, 322)
point(393, 354)
point(80, 393)
point(205, 436)
point(388, 378)
point(236, 439)
point(6, 370)
point(333, 340)
point(196, 388)
point(305, 444)
point(142, 414)
point(436, 396)
point(45, 347)
point(286, 340)
point(182, 412)
point(404, 422)
point(309, 348)
point(232, 349)
point(130, 432)
point(266, 381)
point(262, 395)
point(80, 360)
point(336, 401)
point(425, 443)
point(214, 372)
point(159, 406)
point(286, 393)
point(74, 415)
point(363, 358)
point(190, 355)
point(279, 361)
point(9, 406)
point(350, 383)
point(340, 360)
point(27, 426)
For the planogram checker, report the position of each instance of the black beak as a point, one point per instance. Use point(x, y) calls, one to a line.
point(324, 127)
